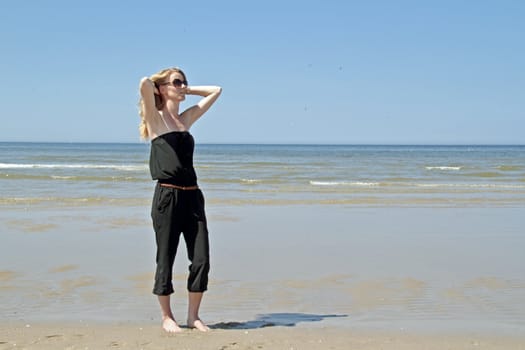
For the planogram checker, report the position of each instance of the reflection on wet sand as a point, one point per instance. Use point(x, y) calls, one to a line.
point(30, 226)
point(7, 275)
point(63, 268)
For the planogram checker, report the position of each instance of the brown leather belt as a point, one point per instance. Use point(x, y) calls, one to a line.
point(183, 188)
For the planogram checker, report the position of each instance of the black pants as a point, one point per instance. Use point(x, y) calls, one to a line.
point(174, 212)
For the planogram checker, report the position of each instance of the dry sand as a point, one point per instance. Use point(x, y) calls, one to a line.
point(113, 336)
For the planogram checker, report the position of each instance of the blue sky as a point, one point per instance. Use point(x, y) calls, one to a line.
point(355, 72)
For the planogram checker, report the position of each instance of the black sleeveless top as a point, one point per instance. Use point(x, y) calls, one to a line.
point(171, 159)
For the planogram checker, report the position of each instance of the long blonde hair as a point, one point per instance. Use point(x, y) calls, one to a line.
point(157, 78)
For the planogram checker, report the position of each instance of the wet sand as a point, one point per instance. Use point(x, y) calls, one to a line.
point(364, 277)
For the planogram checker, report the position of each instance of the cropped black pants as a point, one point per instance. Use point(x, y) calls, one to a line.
point(176, 211)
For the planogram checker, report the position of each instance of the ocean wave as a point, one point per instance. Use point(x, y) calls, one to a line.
point(251, 181)
point(379, 201)
point(409, 184)
point(455, 168)
point(484, 174)
point(74, 201)
point(242, 181)
point(83, 178)
point(509, 167)
point(124, 167)
point(460, 185)
point(344, 183)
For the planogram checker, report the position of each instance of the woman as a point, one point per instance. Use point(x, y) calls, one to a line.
point(178, 203)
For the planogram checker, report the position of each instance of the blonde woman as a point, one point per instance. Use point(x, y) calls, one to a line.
point(178, 203)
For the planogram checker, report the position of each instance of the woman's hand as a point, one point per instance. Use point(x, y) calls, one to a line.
point(147, 84)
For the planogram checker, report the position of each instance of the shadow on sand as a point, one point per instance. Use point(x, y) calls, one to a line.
point(274, 320)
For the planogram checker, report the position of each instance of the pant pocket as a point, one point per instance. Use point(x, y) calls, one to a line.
point(161, 200)
point(165, 197)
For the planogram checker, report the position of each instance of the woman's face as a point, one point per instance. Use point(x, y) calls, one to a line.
point(175, 87)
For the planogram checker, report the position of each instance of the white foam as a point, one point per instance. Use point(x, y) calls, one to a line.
point(124, 167)
point(443, 167)
point(343, 183)
point(251, 181)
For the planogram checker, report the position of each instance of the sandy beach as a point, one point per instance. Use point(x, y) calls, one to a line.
point(400, 278)
point(119, 336)
point(432, 259)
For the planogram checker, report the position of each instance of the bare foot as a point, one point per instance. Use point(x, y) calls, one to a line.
point(198, 324)
point(170, 326)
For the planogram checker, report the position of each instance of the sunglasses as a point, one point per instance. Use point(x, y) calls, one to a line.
point(177, 83)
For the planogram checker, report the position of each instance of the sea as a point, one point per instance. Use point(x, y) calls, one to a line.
point(391, 237)
point(69, 174)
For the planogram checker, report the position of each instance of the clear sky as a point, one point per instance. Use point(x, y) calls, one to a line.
point(354, 72)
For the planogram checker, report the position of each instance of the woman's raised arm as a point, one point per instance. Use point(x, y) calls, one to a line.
point(210, 94)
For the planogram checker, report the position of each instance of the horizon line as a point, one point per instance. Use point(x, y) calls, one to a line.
point(273, 143)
